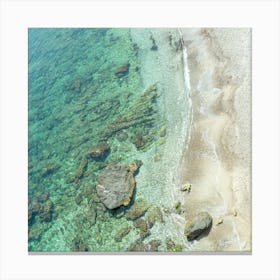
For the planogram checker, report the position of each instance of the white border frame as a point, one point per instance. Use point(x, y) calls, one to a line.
point(17, 16)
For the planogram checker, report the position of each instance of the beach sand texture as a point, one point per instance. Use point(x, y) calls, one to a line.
point(217, 161)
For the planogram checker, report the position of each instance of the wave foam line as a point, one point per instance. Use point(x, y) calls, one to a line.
point(186, 73)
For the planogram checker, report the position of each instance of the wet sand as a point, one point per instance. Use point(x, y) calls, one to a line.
point(217, 161)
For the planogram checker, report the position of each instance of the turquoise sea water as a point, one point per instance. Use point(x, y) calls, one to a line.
point(87, 86)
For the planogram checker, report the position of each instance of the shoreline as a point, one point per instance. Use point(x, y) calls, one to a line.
point(162, 188)
point(217, 161)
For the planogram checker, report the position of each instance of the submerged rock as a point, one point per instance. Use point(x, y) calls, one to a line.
point(141, 224)
point(78, 199)
point(122, 233)
point(122, 136)
point(99, 151)
point(79, 245)
point(116, 185)
point(40, 206)
point(138, 209)
point(143, 228)
point(36, 231)
point(198, 225)
point(91, 215)
point(134, 166)
point(154, 215)
point(42, 196)
point(169, 244)
point(139, 246)
point(122, 70)
point(81, 169)
point(172, 247)
point(46, 211)
point(33, 209)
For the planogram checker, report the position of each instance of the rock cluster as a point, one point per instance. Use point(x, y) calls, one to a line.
point(138, 140)
point(143, 227)
point(79, 245)
point(49, 169)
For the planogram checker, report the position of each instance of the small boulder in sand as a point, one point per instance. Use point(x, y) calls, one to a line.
point(219, 221)
point(186, 187)
point(198, 225)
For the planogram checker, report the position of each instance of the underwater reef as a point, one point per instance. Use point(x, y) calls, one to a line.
point(89, 118)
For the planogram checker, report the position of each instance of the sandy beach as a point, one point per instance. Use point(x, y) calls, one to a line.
point(215, 155)
point(217, 161)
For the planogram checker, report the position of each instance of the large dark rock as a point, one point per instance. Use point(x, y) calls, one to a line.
point(198, 225)
point(116, 185)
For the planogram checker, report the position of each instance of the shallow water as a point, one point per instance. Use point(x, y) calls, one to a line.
point(83, 86)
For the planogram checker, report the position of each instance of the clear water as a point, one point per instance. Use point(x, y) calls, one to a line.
point(76, 91)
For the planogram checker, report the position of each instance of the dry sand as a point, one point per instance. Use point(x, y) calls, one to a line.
point(217, 161)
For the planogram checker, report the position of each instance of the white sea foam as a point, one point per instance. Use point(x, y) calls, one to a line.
point(186, 70)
